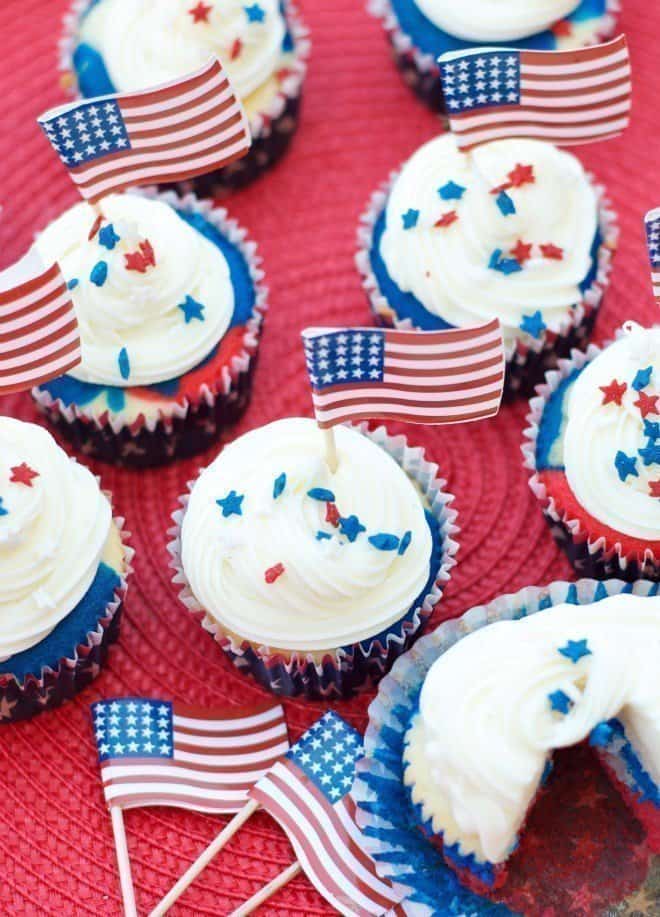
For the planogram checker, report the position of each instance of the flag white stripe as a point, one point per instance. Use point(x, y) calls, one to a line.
point(354, 832)
point(245, 722)
point(567, 134)
point(469, 375)
point(567, 102)
point(385, 407)
point(132, 110)
point(580, 67)
point(469, 123)
point(216, 122)
point(438, 364)
point(163, 788)
point(168, 772)
point(441, 398)
point(596, 79)
point(38, 353)
point(190, 757)
point(18, 324)
point(163, 124)
point(229, 742)
point(54, 366)
point(394, 347)
point(17, 305)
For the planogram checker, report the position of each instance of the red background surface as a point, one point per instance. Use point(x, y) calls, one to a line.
point(359, 122)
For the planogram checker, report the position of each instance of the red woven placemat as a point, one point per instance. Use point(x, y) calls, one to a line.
point(359, 122)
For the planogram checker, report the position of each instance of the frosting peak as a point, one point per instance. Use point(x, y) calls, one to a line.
point(495, 20)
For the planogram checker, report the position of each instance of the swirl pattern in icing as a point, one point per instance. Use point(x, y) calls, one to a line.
point(618, 492)
point(495, 20)
point(144, 324)
point(54, 524)
point(478, 748)
point(448, 268)
point(332, 589)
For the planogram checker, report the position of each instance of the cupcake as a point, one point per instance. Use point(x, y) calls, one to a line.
point(311, 581)
point(421, 30)
point(64, 565)
point(169, 301)
point(514, 230)
point(593, 446)
point(112, 46)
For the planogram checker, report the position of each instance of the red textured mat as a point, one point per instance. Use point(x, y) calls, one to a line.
point(359, 122)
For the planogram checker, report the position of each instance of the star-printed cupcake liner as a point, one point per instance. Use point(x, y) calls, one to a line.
point(341, 672)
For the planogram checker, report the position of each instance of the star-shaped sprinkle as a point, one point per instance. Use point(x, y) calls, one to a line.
point(273, 573)
point(322, 494)
point(410, 218)
point(254, 13)
point(654, 488)
point(447, 219)
point(626, 465)
point(279, 485)
point(384, 541)
point(350, 526)
point(647, 404)
point(124, 363)
point(553, 252)
point(575, 650)
point(601, 735)
point(505, 266)
point(505, 204)
point(108, 238)
point(142, 259)
point(652, 429)
point(99, 273)
point(521, 175)
point(642, 379)
point(73, 283)
point(23, 474)
point(231, 505)
point(651, 454)
point(533, 324)
point(559, 701)
point(614, 392)
point(522, 251)
point(405, 543)
point(3, 510)
point(201, 12)
point(451, 191)
point(191, 309)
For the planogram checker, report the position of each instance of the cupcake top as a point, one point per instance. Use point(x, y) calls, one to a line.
point(148, 42)
point(495, 20)
point(153, 296)
point(498, 701)
point(282, 552)
point(611, 442)
point(54, 524)
point(506, 230)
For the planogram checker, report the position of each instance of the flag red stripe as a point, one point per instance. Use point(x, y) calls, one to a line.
point(197, 128)
point(577, 56)
point(46, 308)
point(29, 287)
point(195, 803)
point(165, 94)
point(229, 733)
point(399, 415)
point(450, 336)
point(180, 112)
point(33, 377)
point(354, 398)
point(205, 714)
point(492, 382)
point(15, 352)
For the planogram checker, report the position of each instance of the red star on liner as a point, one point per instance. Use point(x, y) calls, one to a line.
point(522, 251)
point(142, 259)
point(554, 252)
point(648, 404)
point(521, 175)
point(654, 488)
point(562, 29)
point(23, 474)
point(447, 219)
point(332, 514)
point(95, 227)
point(273, 573)
point(200, 13)
point(614, 392)
point(236, 49)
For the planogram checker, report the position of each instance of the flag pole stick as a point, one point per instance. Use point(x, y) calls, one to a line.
point(267, 891)
point(205, 858)
point(330, 449)
point(123, 862)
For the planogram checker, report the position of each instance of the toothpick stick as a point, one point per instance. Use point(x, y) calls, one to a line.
point(121, 848)
point(205, 858)
point(267, 891)
point(331, 449)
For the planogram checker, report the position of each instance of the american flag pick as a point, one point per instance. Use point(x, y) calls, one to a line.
point(652, 224)
point(39, 335)
point(169, 133)
point(425, 377)
point(565, 97)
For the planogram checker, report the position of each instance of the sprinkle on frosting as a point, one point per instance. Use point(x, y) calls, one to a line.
point(323, 536)
point(73, 283)
point(23, 474)
point(236, 48)
point(651, 454)
point(505, 204)
point(124, 363)
point(320, 493)
point(200, 12)
point(522, 251)
point(273, 573)
point(405, 543)
point(563, 28)
point(614, 392)
point(601, 735)
point(626, 465)
point(451, 191)
point(3, 510)
point(350, 526)
point(560, 701)
point(279, 485)
point(503, 265)
point(553, 252)
point(255, 13)
point(654, 488)
point(384, 542)
point(647, 404)
point(575, 650)
point(191, 309)
point(96, 225)
point(99, 273)
point(231, 504)
point(410, 218)
point(142, 259)
point(521, 175)
point(652, 429)
point(332, 514)
point(533, 324)
point(108, 238)
point(447, 219)
point(642, 378)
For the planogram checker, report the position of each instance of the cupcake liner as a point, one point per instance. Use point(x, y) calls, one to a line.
point(385, 813)
point(272, 129)
point(528, 358)
point(420, 70)
point(188, 427)
point(347, 669)
point(21, 699)
point(590, 555)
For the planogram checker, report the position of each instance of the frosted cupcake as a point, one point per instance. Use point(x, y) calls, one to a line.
point(514, 230)
point(63, 565)
point(314, 582)
point(421, 30)
point(113, 46)
point(593, 446)
point(169, 301)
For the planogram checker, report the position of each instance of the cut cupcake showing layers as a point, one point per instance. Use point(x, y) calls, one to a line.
point(63, 565)
point(169, 301)
point(113, 46)
point(312, 581)
point(593, 446)
point(514, 230)
point(495, 705)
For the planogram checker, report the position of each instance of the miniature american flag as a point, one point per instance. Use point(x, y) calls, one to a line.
point(39, 336)
point(155, 753)
point(565, 97)
point(652, 222)
point(169, 133)
point(307, 792)
point(426, 377)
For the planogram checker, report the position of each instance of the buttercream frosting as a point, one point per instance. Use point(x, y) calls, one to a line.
point(495, 20)
point(262, 559)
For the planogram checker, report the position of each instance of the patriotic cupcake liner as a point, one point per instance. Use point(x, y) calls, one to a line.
point(420, 70)
point(272, 129)
point(188, 426)
point(346, 670)
point(590, 553)
point(391, 824)
point(528, 358)
point(23, 697)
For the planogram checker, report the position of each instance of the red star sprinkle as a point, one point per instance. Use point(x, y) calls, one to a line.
point(148, 253)
point(554, 252)
point(648, 404)
point(236, 49)
point(447, 219)
point(562, 29)
point(332, 514)
point(521, 175)
point(95, 228)
point(200, 13)
point(522, 251)
point(614, 392)
point(654, 488)
point(273, 573)
point(142, 259)
point(23, 474)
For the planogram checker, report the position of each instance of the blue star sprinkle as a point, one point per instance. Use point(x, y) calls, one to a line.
point(323, 536)
point(651, 455)
point(560, 701)
point(533, 324)
point(384, 542)
point(495, 259)
point(231, 504)
point(503, 265)
point(505, 203)
point(652, 429)
point(99, 273)
point(191, 309)
point(108, 238)
point(279, 485)
point(410, 218)
point(351, 527)
point(320, 493)
point(601, 735)
point(3, 511)
point(255, 13)
point(73, 283)
point(626, 465)
point(575, 650)
point(451, 191)
point(405, 543)
point(124, 363)
point(642, 378)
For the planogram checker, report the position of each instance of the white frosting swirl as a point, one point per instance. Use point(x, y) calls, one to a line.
point(141, 311)
point(495, 20)
point(479, 746)
point(333, 592)
point(596, 432)
point(447, 269)
point(147, 42)
point(52, 534)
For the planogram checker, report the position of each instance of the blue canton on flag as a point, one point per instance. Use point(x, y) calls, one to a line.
point(130, 728)
point(473, 82)
point(89, 132)
point(653, 238)
point(328, 753)
point(345, 357)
